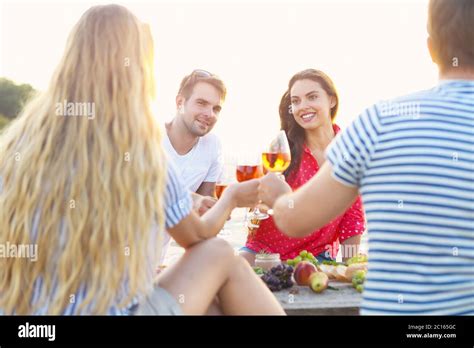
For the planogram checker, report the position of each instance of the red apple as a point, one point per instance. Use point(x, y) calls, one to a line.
point(318, 281)
point(303, 271)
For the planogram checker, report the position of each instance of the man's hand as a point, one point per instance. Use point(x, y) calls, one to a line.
point(271, 187)
point(244, 194)
point(202, 204)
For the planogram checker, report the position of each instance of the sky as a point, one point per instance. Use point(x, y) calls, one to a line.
point(372, 50)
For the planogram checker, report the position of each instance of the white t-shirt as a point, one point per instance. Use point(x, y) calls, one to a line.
point(202, 164)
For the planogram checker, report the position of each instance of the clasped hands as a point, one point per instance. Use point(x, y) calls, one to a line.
point(261, 193)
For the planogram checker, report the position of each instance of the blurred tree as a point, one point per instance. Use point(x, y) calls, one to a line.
point(3, 121)
point(13, 97)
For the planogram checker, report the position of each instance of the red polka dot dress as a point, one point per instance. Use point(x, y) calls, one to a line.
point(269, 239)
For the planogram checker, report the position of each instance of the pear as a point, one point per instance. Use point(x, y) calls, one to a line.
point(318, 281)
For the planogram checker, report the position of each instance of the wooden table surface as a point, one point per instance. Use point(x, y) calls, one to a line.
point(301, 300)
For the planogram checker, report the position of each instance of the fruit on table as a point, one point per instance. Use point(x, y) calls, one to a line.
point(357, 259)
point(331, 263)
point(358, 280)
point(279, 277)
point(354, 268)
point(303, 271)
point(359, 277)
point(303, 256)
point(318, 281)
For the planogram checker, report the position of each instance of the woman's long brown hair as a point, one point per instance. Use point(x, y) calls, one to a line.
point(294, 132)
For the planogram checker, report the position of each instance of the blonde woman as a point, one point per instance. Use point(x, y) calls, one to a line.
point(83, 177)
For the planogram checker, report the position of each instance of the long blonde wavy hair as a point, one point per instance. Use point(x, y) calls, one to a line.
point(94, 186)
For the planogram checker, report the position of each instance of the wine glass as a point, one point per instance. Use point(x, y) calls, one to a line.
point(277, 156)
point(249, 167)
point(225, 179)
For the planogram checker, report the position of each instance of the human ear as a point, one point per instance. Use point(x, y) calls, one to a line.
point(431, 49)
point(180, 103)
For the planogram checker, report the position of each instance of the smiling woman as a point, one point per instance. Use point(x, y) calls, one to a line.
point(307, 113)
point(310, 92)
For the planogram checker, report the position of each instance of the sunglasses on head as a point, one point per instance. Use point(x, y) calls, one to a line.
point(201, 73)
point(195, 76)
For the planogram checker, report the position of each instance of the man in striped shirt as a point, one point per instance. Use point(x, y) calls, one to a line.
point(412, 160)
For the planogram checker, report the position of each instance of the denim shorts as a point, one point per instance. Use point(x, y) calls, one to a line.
point(158, 302)
point(244, 248)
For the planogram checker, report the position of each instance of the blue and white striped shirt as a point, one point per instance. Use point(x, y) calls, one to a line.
point(178, 204)
point(413, 161)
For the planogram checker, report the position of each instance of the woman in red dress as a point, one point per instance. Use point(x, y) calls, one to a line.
point(307, 112)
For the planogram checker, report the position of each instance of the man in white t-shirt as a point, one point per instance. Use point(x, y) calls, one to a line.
point(195, 152)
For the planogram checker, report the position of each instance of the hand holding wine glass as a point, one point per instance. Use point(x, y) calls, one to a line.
point(226, 179)
point(276, 159)
point(271, 187)
point(248, 168)
point(245, 194)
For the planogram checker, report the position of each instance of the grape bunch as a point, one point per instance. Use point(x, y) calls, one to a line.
point(303, 256)
point(358, 280)
point(279, 277)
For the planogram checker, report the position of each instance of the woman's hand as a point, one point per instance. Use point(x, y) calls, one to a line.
point(243, 194)
point(271, 188)
point(202, 204)
point(194, 229)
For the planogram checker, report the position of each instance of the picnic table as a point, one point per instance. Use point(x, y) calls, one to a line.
point(345, 301)
point(301, 300)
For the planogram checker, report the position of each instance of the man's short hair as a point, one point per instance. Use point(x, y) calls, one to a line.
point(189, 81)
point(451, 28)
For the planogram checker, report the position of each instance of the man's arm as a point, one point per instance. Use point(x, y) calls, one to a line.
point(208, 186)
point(314, 205)
point(335, 186)
point(207, 189)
